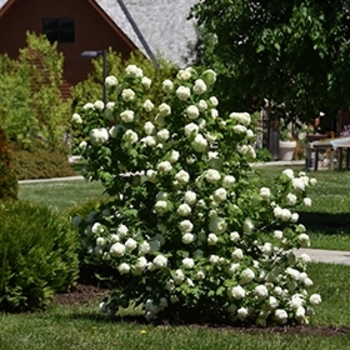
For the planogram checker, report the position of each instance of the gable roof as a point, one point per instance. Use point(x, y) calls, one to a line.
point(163, 24)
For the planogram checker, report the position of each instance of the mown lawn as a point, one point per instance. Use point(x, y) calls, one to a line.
point(82, 327)
point(328, 220)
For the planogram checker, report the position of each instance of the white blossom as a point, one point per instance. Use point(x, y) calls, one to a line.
point(161, 206)
point(202, 105)
point(241, 118)
point(265, 193)
point(186, 226)
point(163, 135)
point(184, 74)
point(168, 86)
point(164, 110)
point(304, 240)
point(160, 261)
point(174, 156)
point(128, 95)
point(188, 238)
point(117, 250)
point(99, 136)
point(239, 129)
point(111, 81)
point(199, 143)
point(131, 136)
point(190, 197)
point(191, 129)
point(199, 87)
point(217, 225)
point(124, 268)
point(214, 102)
point(234, 236)
point(134, 71)
point(289, 173)
point(183, 93)
point(148, 105)
point(187, 263)
point(315, 299)
point(291, 199)
point(212, 239)
point(237, 255)
point(192, 112)
point(149, 128)
point(184, 209)
point(144, 248)
point(164, 167)
point(242, 313)
point(76, 119)
point(237, 292)
point(182, 177)
point(261, 292)
point(307, 202)
point(214, 113)
point(127, 116)
point(247, 275)
point(281, 316)
point(99, 105)
point(212, 176)
point(146, 82)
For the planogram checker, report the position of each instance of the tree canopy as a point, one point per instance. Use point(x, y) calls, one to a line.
point(293, 52)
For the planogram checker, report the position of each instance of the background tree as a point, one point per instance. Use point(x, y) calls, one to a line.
point(292, 52)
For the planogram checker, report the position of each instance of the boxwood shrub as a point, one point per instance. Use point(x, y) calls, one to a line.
point(38, 255)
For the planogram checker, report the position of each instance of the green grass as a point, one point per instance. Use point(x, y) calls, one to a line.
point(82, 327)
point(328, 219)
point(60, 194)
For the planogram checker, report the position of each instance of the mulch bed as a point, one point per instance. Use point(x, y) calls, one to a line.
point(82, 294)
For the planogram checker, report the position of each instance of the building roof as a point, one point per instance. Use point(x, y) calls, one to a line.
point(163, 24)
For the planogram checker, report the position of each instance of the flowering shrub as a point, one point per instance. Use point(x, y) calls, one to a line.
point(185, 224)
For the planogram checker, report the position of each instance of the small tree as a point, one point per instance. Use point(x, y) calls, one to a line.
point(294, 53)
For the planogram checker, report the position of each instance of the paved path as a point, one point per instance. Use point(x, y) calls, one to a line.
point(326, 256)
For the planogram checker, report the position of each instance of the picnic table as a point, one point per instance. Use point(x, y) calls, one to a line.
point(334, 147)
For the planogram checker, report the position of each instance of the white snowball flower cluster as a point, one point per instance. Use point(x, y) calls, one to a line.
point(128, 95)
point(183, 93)
point(76, 119)
point(127, 116)
point(111, 81)
point(241, 118)
point(99, 136)
point(134, 71)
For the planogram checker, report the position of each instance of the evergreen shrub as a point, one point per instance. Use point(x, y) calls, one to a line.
point(8, 178)
point(38, 256)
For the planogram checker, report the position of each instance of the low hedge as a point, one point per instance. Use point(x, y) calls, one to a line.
point(38, 255)
point(41, 164)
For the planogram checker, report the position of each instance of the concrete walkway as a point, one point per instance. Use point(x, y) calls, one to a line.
point(326, 256)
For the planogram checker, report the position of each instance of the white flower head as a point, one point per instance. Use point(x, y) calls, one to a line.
point(289, 173)
point(247, 275)
point(265, 193)
point(212, 176)
point(183, 93)
point(164, 110)
point(131, 136)
point(127, 116)
point(261, 292)
point(202, 105)
point(149, 128)
point(148, 105)
point(76, 119)
point(134, 71)
point(99, 105)
point(291, 199)
point(184, 209)
point(160, 261)
point(168, 86)
point(161, 206)
point(111, 81)
point(237, 292)
point(199, 143)
point(199, 87)
point(235, 236)
point(191, 129)
point(209, 76)
point(164, 167)
point(281, 316)
point(128, 95)
point(214, 113)
point(124, 268)
point(315, 299)
point(174, 156)
point(99, 136)
point(188, 238)
point(192, 112)
point(228, 181)
point(241, 118)
point(213, 101)
point(239, 129)
point(212, 239)
point(237, 255)
point(307, 202)
point(220, 195)
point(163, 135)
point(184, 74)
point(182, 177)
point(117, 250)
point(146, 82)
point(130, 244)
point(187, 263)
point(186, 226)
point(190, 197)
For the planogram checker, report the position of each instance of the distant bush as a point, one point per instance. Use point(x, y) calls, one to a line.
point(38, 256)
point(263, 155)
point(8, 179)
point(41, 164)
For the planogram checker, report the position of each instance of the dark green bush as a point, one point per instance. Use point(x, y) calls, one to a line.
point(91, 269)
point(38, 256)
point(263, 155)
point(41, 164)
point(8, 178)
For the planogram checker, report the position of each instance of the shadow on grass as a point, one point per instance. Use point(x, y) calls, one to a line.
point(325, 223)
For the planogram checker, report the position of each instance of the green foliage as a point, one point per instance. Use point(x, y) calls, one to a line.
point(31, 106)
point(8, 178)
point(263, 155)
point(41, 164)
point(185, 223)
point(293, 53)
point(38, 256)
